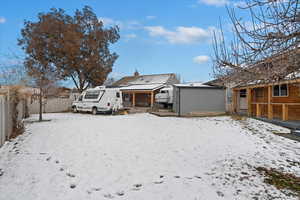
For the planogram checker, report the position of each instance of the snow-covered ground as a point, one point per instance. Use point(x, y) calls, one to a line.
point(144, 157)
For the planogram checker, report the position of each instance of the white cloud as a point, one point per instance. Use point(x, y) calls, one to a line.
point(2, 20)
point(218, 3)
point(192, 6)
point(241, 4)
point(181, 35)
point(109, 21)
point(150, 17)
point(201, 59)
point(214, 2)
point(131, 24)
point(131, 36)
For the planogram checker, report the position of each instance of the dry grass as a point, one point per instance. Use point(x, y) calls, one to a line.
point(281, 180)
point(238, 117)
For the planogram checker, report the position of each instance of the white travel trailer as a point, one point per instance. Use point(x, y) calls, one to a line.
point(99, 100)
point(165, 96)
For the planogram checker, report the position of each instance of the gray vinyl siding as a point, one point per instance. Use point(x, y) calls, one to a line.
point(195, 99)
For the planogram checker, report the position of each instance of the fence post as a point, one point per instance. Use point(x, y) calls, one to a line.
point(2, 120)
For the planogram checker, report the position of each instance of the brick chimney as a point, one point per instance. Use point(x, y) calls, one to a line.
point(136, 73)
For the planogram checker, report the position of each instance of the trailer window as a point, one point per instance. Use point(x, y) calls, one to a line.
point(92, 94)
point(280, 90)
point(118, 94)
point(80, 98)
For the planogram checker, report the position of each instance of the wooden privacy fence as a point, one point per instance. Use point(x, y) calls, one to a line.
point(51, 105)
point(5, 119)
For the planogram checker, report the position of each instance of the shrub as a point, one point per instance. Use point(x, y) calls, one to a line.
point(15, 98)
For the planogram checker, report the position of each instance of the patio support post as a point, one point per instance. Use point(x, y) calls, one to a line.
point(249, 98)
point(152, 99)
point(258, 110)
point(284, 112)
point(270, 107)
point(234, 101)
point(133, 99)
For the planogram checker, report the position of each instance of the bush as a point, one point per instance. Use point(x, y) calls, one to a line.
point(15, 98)
point(238, 117)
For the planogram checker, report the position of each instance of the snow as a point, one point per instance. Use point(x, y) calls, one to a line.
point(293, 75)
point(151, 79)
point(143, 87)
point(195, 84)
point(142, 156)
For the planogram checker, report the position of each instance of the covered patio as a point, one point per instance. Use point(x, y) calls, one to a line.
point(140, 95)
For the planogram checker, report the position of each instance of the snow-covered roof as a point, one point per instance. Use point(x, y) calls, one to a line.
point(294, 75)
point(144, 80)
point(289, 77)
point(143, 87)
point(151, 79)
point(195, 84)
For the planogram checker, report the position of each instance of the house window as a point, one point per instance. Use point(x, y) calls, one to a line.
point(118, 94)
point(280, 90)
point(243, 93)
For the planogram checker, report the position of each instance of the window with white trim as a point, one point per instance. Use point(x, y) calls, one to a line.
point(280, 90)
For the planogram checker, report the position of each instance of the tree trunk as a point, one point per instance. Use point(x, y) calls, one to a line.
point(41, 105)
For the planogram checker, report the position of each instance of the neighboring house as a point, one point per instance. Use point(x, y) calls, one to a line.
point(139, 90)
point(278, 100)
point(193, 98)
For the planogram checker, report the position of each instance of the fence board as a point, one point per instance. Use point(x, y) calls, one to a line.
point(5, 119)
point(52, 105)
point(3, 116)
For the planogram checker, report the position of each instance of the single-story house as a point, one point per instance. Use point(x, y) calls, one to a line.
point(280, 100)
point(274, 101)
point(198, 98)
point(140, 90)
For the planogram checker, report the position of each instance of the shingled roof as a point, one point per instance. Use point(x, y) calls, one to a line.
point(144, 80)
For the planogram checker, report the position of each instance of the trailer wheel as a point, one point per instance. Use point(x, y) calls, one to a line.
point(94, 111)
point(75, 109)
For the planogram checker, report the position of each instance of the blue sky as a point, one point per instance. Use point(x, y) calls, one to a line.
point(157, 36)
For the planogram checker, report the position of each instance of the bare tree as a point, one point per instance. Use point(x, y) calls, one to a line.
point(38, 61)
point(265, 47)
point(13, 72)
